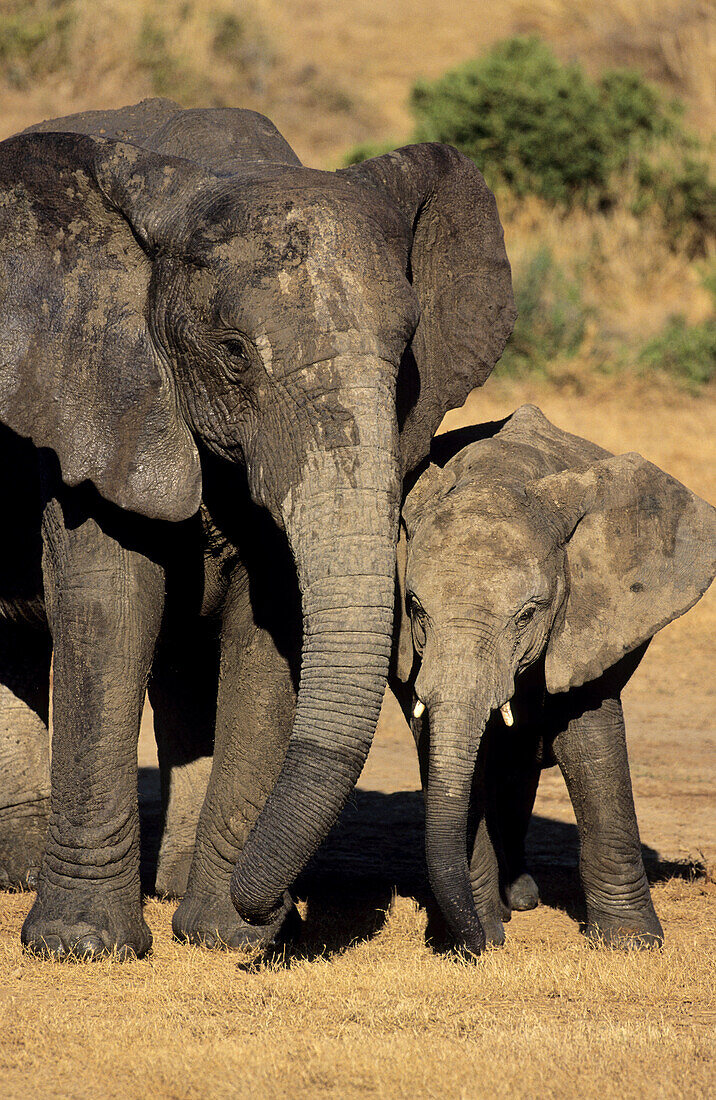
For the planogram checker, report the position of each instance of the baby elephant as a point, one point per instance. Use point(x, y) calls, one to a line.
point(534, 569)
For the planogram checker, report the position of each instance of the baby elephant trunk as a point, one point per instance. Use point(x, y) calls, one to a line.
point(455, 732)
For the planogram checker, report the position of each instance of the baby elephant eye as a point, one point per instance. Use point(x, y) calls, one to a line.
point(417, 623)
point(419, 632)
point(525, 616)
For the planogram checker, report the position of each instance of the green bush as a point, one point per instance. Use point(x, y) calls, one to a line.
point(636, 113)
point(551, 319)
point(537, 126)
point(528, 121)
point(682, 189)
point(688, 352)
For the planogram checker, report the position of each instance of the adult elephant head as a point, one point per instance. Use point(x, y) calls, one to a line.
point(279, 317)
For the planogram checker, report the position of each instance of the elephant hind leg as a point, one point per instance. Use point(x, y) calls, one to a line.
point(255, 709)
point(24, 751)
point(591, 751)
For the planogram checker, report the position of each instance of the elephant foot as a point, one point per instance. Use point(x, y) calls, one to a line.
point(214, 923)
point(173, 874)
point(75, 923)
point(625, 931)
point(493, 914)
point(523, 893)
point(494, 936)
point(494, 930)
point(22, 844)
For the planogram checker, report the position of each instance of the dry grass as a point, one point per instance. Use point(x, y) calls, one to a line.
point(333, 74)
point(545, 1016)
point(629, 274)
point(383, 1016)
point(375, 50)
point(209, 52)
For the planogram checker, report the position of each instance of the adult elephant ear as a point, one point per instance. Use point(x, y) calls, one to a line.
point(460, 271)
point(641, 550)
point(79, 370)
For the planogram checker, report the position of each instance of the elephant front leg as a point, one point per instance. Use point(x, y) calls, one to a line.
point(591, 751)
point(255, 709)
point(487, 846)
point(104, 606)
point(514, 777)
point(24, 752)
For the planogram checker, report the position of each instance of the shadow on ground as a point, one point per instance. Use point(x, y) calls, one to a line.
point(377, 850)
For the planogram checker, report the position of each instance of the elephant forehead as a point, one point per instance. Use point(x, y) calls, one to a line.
point(486, 547)
point(289, 219)
point(485, 526)
point(316, 300)
point(452, 586)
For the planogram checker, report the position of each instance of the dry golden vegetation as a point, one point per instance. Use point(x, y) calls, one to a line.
point(544, 1016)
point(353, 63)
point(672, 42)
point(365, 1008)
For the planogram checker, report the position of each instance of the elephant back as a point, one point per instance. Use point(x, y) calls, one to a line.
point(220, 139)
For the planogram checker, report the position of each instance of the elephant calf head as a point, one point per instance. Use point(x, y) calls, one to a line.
point(529, 543)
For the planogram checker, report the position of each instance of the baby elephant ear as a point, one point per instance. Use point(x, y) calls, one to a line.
point(641, 550)
point(460, 271)
point(79, 371)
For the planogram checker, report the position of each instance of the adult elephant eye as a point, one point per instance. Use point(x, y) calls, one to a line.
point(236, 349)
point(419, 633)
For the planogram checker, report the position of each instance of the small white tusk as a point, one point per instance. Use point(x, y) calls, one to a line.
point(506, 712)
point(419, 709)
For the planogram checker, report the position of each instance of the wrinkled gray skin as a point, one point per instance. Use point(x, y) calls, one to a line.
point(217, 355)
point(536, 570)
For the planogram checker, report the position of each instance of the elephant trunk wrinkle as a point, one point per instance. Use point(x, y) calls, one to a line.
point(455, 733)
point(347, 586)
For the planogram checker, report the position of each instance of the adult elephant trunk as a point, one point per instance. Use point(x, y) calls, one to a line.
point(456, 729)
point(341, 521)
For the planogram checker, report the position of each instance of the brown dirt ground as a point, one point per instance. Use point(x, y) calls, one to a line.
point(364, 1008)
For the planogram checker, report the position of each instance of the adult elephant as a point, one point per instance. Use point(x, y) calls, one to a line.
point(189, 314)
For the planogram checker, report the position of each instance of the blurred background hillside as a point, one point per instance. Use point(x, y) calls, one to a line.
point(594, 123)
